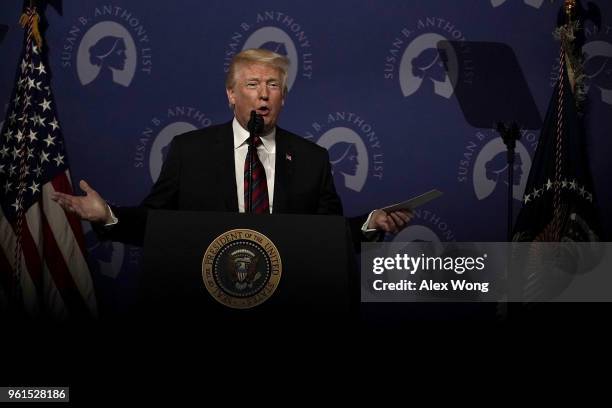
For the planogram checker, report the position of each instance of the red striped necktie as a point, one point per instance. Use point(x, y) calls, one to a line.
point(256, 197)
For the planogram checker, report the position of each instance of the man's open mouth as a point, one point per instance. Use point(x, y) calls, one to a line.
point(263, 110)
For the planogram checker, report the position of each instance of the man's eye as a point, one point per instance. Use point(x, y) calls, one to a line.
point(251, 85)
point(273, 85)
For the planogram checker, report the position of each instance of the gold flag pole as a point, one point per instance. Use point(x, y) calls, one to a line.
point(569, 7)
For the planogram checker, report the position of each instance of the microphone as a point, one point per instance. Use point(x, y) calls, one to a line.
point(255, 127)
point(256, 124)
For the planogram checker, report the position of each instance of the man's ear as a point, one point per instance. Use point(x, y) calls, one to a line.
point(231, 98)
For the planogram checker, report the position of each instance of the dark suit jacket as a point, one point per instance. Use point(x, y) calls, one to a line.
point(199, 175)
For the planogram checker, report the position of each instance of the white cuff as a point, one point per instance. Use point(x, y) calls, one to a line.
point(115, 219)
point(364, 227)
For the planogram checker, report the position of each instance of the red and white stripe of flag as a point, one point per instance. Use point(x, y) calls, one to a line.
point(55, 279)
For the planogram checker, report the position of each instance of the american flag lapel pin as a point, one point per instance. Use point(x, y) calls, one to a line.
point(288, 156)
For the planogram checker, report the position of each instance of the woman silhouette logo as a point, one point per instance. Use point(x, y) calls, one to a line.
point(598, 67)
point(429, 64)
point(343, 157)
point(108, 52)
point(422, 63)
point(107, 55)
point(491, 170)
point(348, 156)
point(497, 169)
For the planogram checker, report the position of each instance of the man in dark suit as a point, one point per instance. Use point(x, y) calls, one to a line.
point(206, 169)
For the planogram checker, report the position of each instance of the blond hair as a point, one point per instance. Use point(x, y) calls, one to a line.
point(258, 56)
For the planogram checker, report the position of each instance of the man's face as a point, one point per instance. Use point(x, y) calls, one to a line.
point(258, 87)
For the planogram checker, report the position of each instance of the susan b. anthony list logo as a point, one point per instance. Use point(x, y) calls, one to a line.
point(154, 141)
point(355, 151)
point(483, 165)
point(421, 57)
point(278, 32)
point(108, 47)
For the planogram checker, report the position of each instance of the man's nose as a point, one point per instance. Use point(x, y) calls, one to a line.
point(263, 92)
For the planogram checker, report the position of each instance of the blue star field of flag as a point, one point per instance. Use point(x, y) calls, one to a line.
point(31, 144)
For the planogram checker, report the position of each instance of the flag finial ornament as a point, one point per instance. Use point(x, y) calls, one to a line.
point(30, 20)
point(569, 6)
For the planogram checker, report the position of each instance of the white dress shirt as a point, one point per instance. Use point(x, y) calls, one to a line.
point(266, 153)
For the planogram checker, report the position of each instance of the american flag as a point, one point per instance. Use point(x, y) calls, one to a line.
point(43, 268)
point(559, 201)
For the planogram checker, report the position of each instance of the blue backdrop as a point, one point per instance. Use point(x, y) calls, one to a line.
point(128, 76)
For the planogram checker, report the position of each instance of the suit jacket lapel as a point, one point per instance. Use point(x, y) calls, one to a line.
point(283, 172)
point(226, 175)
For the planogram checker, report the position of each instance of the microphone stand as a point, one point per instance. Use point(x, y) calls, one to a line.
point(255, 127)
point(510, 134)
point(248, 205)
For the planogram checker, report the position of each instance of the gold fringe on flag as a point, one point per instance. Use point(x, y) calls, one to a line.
point(30, 20)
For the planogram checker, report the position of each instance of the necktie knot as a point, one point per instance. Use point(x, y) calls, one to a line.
point(257, 141)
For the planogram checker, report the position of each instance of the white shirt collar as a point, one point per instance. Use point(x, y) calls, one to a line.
point(241, 135)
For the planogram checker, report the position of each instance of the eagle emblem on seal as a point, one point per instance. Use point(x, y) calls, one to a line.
point(242, 268)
